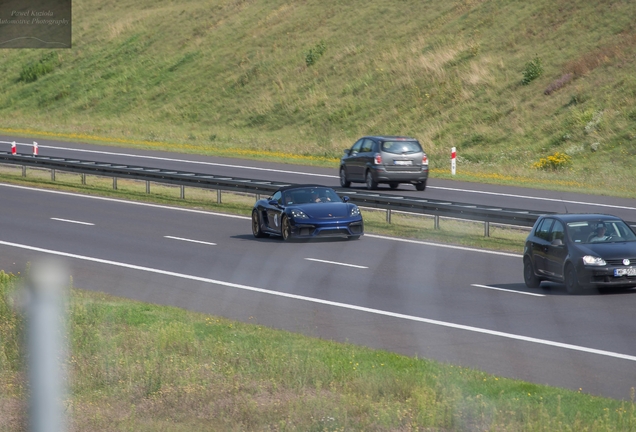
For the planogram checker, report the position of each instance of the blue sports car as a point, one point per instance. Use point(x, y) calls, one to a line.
point(306, 211)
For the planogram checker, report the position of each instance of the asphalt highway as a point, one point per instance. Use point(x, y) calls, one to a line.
point(463, 306)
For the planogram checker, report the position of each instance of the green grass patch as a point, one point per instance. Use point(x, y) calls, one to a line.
point(142, 367)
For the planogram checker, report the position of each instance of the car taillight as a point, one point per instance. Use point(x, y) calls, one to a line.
point(377, 159)
point(424, 160)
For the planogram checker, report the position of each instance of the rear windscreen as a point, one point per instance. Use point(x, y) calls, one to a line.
point(400, 147)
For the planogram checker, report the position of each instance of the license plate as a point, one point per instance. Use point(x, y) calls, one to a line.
point(625, 272)
point(402, 162)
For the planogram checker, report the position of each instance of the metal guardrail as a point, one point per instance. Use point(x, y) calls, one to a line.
point(388, 202)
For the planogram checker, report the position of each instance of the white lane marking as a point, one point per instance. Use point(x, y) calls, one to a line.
point(72, 221)
point(445, 246)
point(331, 303)
point(249, 218)
point(191, 241)
point(178, 160)
point(507, 290)
point(336, 263)
point(535, 198)
point(125, 201)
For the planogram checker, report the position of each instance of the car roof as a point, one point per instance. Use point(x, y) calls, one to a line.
point(577, 217)
point(390, 137)
point(301, 186)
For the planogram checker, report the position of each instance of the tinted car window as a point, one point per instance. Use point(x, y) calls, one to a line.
point(543, 230)
point(367, 146)
point(277, 197)
point(328, 195)
point(557, 231)
point(399, 147)
point(311, 195)
point(624, 231)
point(356, 146)
point(583, 231)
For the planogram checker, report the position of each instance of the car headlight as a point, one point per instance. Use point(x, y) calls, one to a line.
point(355, 211)
point(298, 214)
point(593, 261)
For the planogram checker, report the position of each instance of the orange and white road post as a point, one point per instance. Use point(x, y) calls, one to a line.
point(14, 149)
point(35, 148)
point(453, 160)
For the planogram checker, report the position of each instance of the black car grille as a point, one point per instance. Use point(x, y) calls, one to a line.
point(356, 229)
point(306, 231)
point(334, 232)
point(619, 261)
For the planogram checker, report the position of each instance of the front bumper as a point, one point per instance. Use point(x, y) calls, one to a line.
point(327, 229)
point(604, 277)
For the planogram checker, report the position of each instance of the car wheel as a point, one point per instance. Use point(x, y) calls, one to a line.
point(420, 186)
point(572, 284)
point(371, 183)
point(531, 279)
point(256, 225)
point(343, 178)
point(394, 185)
point(286, 229)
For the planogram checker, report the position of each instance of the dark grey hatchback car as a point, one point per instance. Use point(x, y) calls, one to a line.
point(582, 251)
point(384, 159)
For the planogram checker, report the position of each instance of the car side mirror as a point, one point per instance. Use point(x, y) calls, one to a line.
point(345, 199)
point(557, 242)
point(347, 152)
point(273, 203)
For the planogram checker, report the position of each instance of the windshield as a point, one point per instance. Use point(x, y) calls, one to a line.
point(595, 231)
point(400, 147)
point(311, 195)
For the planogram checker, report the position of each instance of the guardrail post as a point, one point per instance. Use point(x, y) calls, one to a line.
point(83, 179)
point(52, 175)
point(218, 196)
point(182, 192)
point(388, 215)
point(23, 170)
point(114, 183)
point(258, 197)
point(486, 229)
point(436, 222)
point(147, 187)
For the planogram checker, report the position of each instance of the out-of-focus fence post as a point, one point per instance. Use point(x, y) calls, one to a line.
point(47, 352)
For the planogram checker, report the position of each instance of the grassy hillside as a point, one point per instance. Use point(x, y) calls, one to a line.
point(307, 78)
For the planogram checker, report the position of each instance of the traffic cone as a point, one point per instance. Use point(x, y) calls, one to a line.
point(35, 148)
point(13, 148)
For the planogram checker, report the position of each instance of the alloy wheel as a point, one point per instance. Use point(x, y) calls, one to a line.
point(286, 229)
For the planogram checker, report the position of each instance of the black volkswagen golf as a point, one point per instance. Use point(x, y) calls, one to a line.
point(582, 251)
